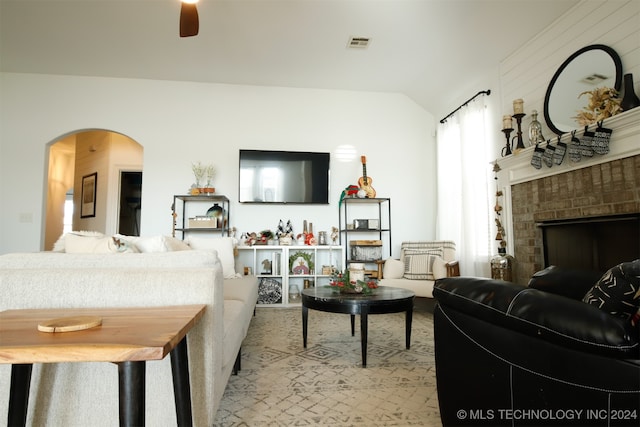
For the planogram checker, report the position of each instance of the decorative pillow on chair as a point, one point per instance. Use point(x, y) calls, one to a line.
point(393, 269)
point(418, 265)
point(618, 290)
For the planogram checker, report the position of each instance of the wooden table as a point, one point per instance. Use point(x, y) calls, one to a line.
point(384, 300)
point(127, 336)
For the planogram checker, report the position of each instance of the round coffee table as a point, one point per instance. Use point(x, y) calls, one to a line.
point(384, 300)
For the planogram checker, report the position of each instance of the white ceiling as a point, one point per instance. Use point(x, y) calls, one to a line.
point(429, 50)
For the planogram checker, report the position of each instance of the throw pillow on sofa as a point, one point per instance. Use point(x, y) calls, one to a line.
point(224, 247)
point(618, 290)
point(61, 243)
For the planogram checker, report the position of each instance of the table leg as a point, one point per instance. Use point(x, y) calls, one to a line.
point(353, 325)
point(364, 328)
point(305, 319)
point(19, 394)
point(181, 385)
point(131, 383)
point(408, 326)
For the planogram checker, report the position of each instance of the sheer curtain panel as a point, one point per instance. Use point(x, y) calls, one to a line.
point(464, 173)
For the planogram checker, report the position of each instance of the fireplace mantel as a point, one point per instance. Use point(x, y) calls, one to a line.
point(557, 192)
point(625, 142)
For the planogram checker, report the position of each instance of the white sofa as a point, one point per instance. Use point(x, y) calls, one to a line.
point(420, 264)
point(83, 394)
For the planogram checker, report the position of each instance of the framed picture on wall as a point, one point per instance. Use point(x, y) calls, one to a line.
point(88, 205)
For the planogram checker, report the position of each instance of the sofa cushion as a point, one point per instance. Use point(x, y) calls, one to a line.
point(418, 264)
point(393, 269)
point(618, 290)
point(568, 282)
point(243, 289)
point(224, 247)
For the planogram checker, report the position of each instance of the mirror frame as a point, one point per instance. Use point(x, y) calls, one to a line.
point(616, 60)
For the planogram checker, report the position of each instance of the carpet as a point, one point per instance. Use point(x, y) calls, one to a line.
point(283, 384)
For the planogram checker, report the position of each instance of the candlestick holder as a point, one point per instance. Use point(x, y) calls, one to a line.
point(519, 146)
point(506, 150)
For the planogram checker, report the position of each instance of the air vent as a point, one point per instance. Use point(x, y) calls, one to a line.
point(594, 79)
point(358, 42)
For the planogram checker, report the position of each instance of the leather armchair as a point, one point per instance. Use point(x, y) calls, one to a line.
point(511, 355)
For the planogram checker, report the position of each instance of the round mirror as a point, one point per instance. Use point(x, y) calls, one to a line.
point(589, 68)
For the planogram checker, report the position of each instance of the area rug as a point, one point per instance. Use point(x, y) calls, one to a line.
point(283, 384)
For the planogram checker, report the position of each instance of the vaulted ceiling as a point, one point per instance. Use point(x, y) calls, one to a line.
point(430, 50)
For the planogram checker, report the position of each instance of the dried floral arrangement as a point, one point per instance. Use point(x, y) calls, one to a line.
point(603, 103)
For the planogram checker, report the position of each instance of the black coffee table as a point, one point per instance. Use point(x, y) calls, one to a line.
point(384, 300)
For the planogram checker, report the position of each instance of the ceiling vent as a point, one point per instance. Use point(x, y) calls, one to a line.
point(594, 79)
point(358, 42)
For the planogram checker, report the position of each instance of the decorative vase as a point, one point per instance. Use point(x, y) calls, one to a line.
point(502, 266)
point(630, 99)
point(294, 293)
point(535, 129)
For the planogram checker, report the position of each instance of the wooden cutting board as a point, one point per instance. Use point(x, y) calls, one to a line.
point(69, 324)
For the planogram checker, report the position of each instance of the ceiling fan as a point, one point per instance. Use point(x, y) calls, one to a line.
point(189, 23)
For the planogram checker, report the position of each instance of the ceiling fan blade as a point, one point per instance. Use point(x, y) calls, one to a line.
point(189, 23)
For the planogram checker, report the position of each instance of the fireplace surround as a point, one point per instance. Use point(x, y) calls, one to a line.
point(591, 192)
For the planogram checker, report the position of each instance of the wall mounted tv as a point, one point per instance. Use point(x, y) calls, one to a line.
point(295, 177)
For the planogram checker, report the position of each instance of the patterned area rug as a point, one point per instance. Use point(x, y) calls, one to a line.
point(283, 384)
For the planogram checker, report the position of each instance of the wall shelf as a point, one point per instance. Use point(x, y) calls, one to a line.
point(187, 207)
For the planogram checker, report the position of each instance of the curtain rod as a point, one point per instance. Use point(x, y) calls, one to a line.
point(487, 92)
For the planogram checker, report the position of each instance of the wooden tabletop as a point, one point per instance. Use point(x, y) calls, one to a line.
point(126, 334)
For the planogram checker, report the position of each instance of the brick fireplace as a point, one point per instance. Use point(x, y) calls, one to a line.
point(602, 186)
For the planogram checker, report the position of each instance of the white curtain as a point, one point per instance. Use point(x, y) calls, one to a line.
point(464, 177)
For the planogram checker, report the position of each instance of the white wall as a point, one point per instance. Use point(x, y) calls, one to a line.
point(179, 122)
point(528, 71)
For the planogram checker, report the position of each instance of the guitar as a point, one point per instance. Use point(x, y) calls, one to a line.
point(364, 182)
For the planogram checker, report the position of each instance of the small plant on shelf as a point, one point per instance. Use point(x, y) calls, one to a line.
point(199, 171)
point(342, 283)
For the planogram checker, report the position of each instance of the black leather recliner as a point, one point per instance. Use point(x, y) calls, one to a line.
point(510, 355)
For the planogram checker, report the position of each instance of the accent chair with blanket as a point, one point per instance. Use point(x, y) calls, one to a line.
point(420, 264)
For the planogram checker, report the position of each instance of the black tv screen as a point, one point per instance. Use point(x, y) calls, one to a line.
point(284, 177)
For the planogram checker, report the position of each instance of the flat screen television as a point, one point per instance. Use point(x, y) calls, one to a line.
point(295, 177)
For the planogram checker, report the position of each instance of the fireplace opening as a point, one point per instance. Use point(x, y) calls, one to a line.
point(592, 244)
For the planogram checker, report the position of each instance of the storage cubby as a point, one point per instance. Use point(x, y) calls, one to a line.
point(280, 268)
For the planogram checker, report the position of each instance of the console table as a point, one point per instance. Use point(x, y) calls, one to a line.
point(127, 336)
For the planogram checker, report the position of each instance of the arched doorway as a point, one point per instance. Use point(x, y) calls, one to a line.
point(105, 157)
